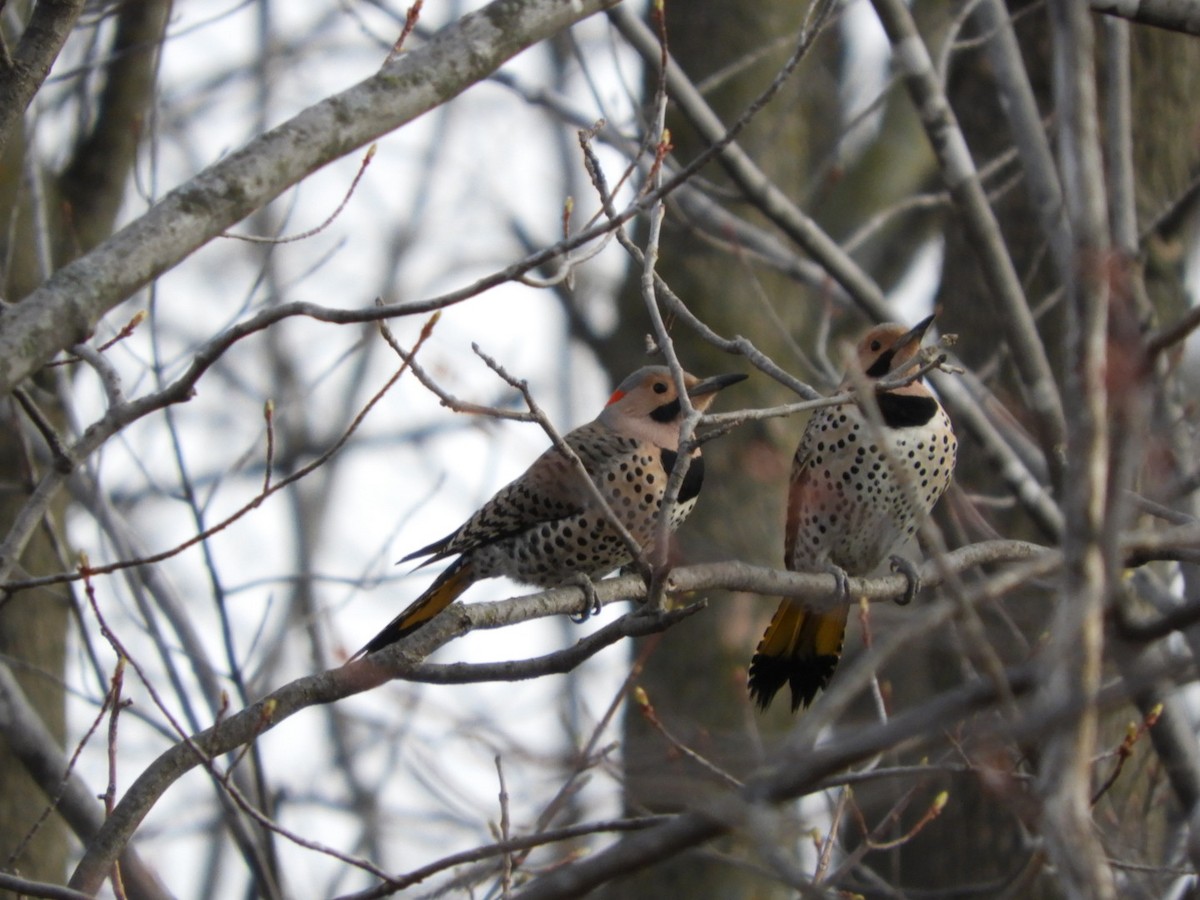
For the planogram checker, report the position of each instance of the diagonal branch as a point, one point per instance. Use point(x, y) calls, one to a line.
point(49, 24)
point(1073, 666)
point(962, 180)
point(799, 773)
point(93, 184)
point(1175, 15)
point(31, 742)
point(248, 724)
point(67, 306)
point(403, 661)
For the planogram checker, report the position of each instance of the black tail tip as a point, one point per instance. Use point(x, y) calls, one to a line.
point(805, 677)
point(390, 635)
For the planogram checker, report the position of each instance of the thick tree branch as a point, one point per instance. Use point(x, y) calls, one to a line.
point(49, 24)
point(798, 773)
point(64, 310)
point(962, 180)
point(819, 590)
point(1025, 123)
point(402, 661)
point(93, 184)
point(1072, 668)
point(1175, 15)
point(23, 887)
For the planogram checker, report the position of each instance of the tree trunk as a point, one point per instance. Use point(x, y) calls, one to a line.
point(80, 207)
point(695, 675)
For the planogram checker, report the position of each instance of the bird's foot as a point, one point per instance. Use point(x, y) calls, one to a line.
point(908, 569)
point(842, 580)
point(591, 600)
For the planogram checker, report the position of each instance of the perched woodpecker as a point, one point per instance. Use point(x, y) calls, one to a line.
point(546, 528)
point(849, 508)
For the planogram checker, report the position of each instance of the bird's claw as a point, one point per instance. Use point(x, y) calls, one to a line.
point(906, 568)
point(591, 600)
point(841, 580)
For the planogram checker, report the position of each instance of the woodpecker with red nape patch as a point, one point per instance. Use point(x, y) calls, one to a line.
point(546, 528)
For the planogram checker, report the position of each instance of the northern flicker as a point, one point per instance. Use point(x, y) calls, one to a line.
point(546, 528)
point(848, 508)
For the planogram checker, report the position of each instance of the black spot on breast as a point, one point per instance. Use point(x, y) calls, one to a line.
point(906, 410)
point(694, 478)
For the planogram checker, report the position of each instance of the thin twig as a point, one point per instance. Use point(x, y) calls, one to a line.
point(642, 699)
point(110, 793)
point(1125, 750)
point(506, 858)
point(254, 503)
point(635, 549)
point(330, 219)
point(962, 180)
point(411, 17)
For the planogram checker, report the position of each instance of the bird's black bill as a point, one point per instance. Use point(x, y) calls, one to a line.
point(917, 333)
point(715, 383)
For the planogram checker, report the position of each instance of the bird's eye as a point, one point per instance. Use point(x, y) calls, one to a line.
point(660, 388)
point(875, 345)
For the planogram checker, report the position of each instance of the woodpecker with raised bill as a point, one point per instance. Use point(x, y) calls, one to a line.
point(849, 508)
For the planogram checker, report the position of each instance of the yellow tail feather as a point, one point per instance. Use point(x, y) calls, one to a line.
point(800, 648)
point(448, 587)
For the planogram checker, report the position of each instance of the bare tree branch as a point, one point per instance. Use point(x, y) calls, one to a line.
point(26, 888)
point(962, 180)
point(32, 743)
point(791, 777)
point(1073, 667)
point(72, 301)
point(1176, 15)
point(43, 38)
point(1025, 123)
point(400, 661)
point(750, 178)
